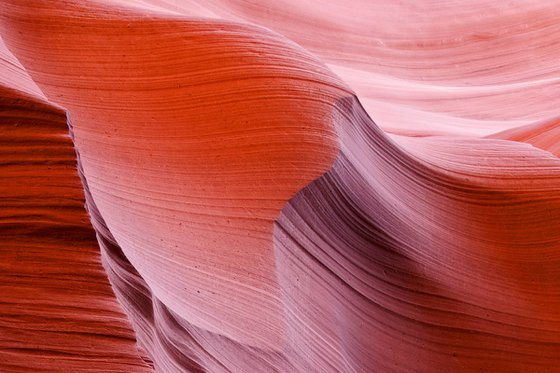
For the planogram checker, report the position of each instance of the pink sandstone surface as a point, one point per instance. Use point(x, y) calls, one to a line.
point(289, 186)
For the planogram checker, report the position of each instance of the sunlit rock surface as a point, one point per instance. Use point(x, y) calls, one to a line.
point(281, 186)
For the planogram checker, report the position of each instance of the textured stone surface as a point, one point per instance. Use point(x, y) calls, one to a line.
point(279, 186)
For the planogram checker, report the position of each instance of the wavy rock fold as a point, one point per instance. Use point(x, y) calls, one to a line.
point(292, 187)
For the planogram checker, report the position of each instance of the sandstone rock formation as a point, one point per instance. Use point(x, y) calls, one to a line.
point(284, 186)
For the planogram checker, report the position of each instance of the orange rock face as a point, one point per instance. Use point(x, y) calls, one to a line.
point(57, 311)
point(292, 187)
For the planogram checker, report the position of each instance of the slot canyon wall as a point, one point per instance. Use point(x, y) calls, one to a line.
point(289, 186)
